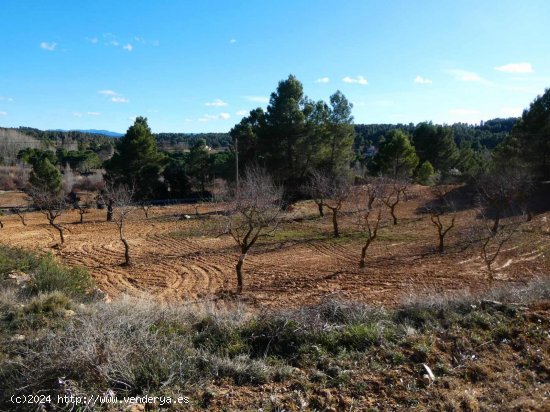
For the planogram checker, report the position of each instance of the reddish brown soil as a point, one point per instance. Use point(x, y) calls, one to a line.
point(178, 259)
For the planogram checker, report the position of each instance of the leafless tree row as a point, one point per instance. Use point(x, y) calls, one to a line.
point(255, 211)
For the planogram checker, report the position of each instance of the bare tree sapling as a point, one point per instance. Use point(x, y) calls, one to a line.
point(121, 199)
point(254, 213)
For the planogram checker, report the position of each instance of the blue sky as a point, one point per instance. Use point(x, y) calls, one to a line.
point(198, 66)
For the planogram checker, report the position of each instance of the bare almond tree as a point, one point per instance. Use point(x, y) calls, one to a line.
point(330, 192)
point(442, 228)
point(375, 190)
point(503, 192)
point(121, 198)
point(369, 222)
point(52, 205)
point(82, 205)
point(253, 213)
point(20, 213)
point(442, 214)
point(368, 211)
point(393, 192)
point(491, 242)
point(146, 207)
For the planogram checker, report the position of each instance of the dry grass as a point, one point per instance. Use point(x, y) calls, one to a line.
point(332, 354)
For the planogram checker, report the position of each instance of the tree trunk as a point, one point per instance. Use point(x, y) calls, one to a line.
point(494, 229)
point(529, 215)
point(110, 211)
point(335, 222)
point(392, 211)
point(240, 273)
point(127, 261)
point(321, 211)
point(371, 201)
point(1, 225)
point(440, 248)
point(22, 217)
point(364, 254)
point(81, 216)
point(60, 230)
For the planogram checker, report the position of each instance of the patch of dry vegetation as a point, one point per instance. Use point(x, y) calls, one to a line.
point(57, 338)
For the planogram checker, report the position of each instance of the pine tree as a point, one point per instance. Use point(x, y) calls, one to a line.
point(137, 162)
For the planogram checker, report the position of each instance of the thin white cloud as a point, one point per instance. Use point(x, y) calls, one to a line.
point(233, 41)
point(516, 68)
point(128, 47)
point(48, 46)
point(357, 79)
point(257, 99)
point(511, 111)
point(107, 93)
point(139, 39)
point(466, 76)
point(216, 103)
point(77, 114)
point(421, 80)
point(241, 113)
point(209, 117)
point(114, 43)
point(93, 113)
point(463, 112)
point(93, 40)
point(322, 80)
point(114, 96)
point(119, 99)
point(206, 118)
point(6, 99)
point(3, 113)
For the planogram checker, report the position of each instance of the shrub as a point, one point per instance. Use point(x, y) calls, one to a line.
point(49, 276)
point(277, 336)
point(219, 337)
point(359, 337)
point(241, 369)
point(17, 259)
point(45, 310)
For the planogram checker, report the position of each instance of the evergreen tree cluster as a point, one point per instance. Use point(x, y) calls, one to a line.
point(295, 136)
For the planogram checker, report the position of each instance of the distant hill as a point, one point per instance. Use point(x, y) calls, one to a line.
point(93, 131)
point(486, 135)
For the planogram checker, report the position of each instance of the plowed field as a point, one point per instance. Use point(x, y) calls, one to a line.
point(184, 259)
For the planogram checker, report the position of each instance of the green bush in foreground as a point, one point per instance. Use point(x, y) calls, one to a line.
point(50, 276)
point(16, 259)
point(47, 275)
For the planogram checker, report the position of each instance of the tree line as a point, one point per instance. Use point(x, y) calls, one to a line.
point(295, 138)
